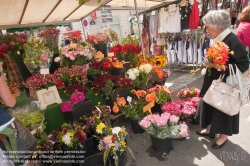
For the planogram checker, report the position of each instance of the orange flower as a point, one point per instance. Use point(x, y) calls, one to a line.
point(151, 97)
point(140, 93)
point(115, 108)
point(121, 101)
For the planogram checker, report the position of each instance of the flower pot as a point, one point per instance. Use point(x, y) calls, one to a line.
point(116, 71)
point(93, 76)
point(103, 48)
point(136, 128)
point(122, 159)
point(161, 145)
point(78, 111)
point(144, 87)
point(95, 160)
point(112, 97)
point(89, 147)
point(156, 108)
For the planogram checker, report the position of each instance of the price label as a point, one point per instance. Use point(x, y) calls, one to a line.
point(44, 71)
point(72, 45)
point(129, 99)
point(148, 107)
point(111, 54)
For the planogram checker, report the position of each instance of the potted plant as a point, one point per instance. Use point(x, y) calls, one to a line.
point(118, 67)
point(76, 107)
point(114, 146)
point(104, 83)
point(162, 128)
point(94, 70)
point(132, 109)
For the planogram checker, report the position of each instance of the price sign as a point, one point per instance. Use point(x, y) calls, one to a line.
point(44, 71)
point(148, 107)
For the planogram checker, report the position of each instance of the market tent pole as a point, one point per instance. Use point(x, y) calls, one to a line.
point(139, 30)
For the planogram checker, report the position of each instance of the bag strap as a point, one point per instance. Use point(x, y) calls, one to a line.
point(232, 74)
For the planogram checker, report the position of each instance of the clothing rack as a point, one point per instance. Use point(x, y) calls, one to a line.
point(190, 32)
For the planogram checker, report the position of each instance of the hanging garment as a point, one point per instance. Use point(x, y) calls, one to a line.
point(185, 13)
point(169, 52)
point(173, 21)
point(162, 21)
point(194, 16)
point(145, 38)
point(153, 25)
point(189, 51)
point(200, 58)
point(180, 50)
point(145, 20)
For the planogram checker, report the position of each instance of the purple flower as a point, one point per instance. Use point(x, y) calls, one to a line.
point(117, 144)
point(66, 106)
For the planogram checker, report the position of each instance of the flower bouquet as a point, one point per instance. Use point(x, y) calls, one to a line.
point(142, 76)
point(72, 135)
point(50, 37)
point(113, 35)
point(218, 54)
point(164, 126)
point(4, 50)
point(104, 83)
point(13, 44)
point(39, 81)
point(188, 93)
point(75, 99)
point(100, 38)
point(75, 54)
point(37, 55)
point(74, 75)
point(114, 145)
point(162, 94)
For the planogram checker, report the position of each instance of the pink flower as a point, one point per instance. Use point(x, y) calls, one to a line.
point(44, 57)
point(77, 97)
point(72, 58)
point(66, 106)
point(144, 123)
point(173, 118)
point(57, 59)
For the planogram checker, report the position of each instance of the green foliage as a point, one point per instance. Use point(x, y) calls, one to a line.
point(162, 97)
point(135, 111)
point(130, 39)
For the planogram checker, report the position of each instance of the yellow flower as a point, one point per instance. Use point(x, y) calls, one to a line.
point(123, 143)
point(112, 144)
point(71, 134)
point(100, 127)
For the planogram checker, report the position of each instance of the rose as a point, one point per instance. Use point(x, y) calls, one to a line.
point(66, 106)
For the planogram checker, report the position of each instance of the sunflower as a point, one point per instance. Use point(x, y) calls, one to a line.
point(159, 60)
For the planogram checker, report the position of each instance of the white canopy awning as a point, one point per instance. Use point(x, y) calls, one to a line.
point(26, 13)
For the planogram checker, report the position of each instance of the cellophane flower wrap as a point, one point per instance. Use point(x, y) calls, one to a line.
point(114, 143)
point(164, 126)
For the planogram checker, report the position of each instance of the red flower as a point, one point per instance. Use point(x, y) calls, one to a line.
point(107, 64)
point(66, 106)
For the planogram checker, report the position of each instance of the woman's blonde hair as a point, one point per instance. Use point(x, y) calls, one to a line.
point(245, 14)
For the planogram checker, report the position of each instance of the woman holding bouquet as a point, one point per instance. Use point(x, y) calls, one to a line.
point(213, 120)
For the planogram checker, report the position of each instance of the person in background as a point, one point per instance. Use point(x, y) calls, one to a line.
point(213, 121)
point(243, 31)
point(5, 119)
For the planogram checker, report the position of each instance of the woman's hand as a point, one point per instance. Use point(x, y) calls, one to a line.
point(208, 64)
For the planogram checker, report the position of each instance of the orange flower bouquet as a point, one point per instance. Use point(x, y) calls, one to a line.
point(218, 54)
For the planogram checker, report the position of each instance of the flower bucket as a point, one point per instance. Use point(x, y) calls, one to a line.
point(112, 97)
point(96, 160)
point(136, 128)
point(161, 145)
point(116, 71)
point(103, 48)
point(122, 159)
point(78, 111)
point(92, 77)
point(156, 108)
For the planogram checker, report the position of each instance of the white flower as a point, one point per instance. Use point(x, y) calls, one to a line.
point(66, 139)
point(133, 73)
point(145, 68)
point(116, 130)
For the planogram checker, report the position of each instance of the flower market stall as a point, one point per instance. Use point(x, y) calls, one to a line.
point(73, 108)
